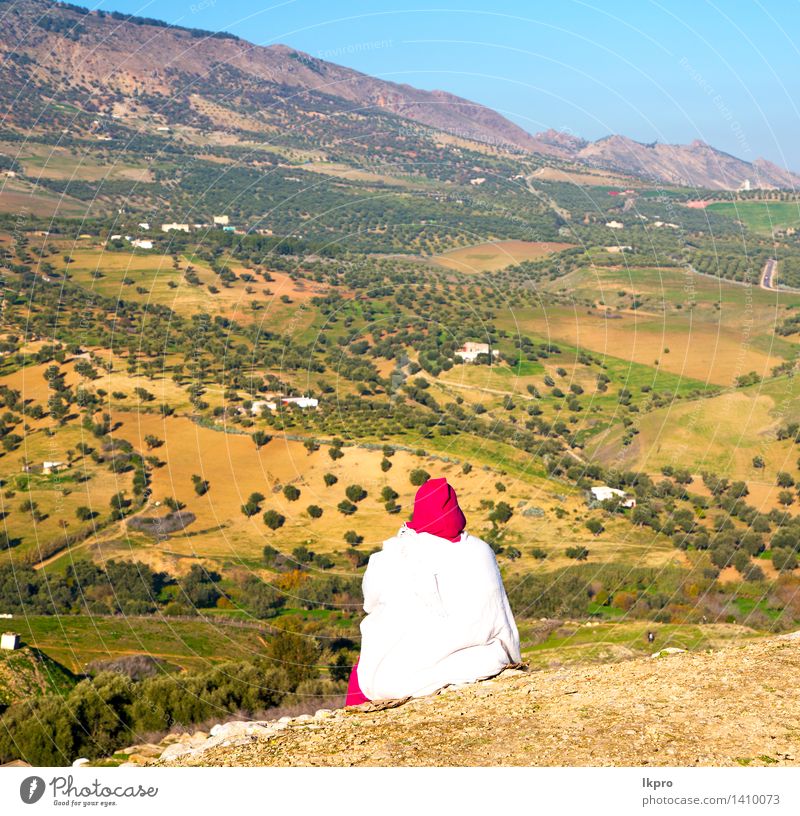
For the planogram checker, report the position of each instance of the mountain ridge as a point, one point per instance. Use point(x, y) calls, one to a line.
point(174, 73)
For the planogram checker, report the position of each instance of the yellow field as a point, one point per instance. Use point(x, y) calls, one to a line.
point(690, 326)
point(19, 198)
point(235, 469)
point(51, 162)
point(155, 273)
point(57, 496)
point(496, 255)
point(721, 434)
point(582, 177)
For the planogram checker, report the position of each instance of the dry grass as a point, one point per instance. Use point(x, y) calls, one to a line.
point(496, 255)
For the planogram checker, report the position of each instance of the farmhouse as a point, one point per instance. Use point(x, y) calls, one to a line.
point(301, 402)
point(469, 351)
point(142, 243)
point(222, 220)
point(9, 641)
point(603, 493)
point(615, 225)
point(145, 225)
point(259, 405)
point(52, 467)
point(174, 227)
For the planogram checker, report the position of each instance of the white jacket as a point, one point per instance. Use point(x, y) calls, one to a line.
point(437, 613)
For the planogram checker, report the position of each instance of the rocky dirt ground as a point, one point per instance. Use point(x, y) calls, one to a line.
point(735, 706)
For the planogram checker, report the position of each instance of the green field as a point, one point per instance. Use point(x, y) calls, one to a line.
point(761, 216)
point(603, 642)
point(75, 640)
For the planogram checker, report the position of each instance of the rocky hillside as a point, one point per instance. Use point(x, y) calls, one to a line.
point(693, 165)
point(62, 47)
point(27, 673)
point(735, 706)
point(64, 62)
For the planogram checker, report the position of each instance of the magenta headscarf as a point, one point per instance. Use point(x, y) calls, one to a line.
point(436, 511)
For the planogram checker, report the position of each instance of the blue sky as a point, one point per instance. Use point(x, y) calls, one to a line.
point(672, 71)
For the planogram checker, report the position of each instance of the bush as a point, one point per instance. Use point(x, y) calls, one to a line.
point(314, 511)
point(388, 494)
point(346, 508)
point(418, 477)
point(502, 513)
point(594, 526)
point(274, 520)
point(291, 492)
point(784, 560)
point(385, 465)
point(330, 480)
point(578, 553)
point(538, 553)
point(355, 493)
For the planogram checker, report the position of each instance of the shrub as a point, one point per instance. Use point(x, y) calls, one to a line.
point(784, 560)
point(388, 494)
point(330, 480)
point(594, 526)
point(261, 438)
point(346, 508)
point(578, 553)
point(502, 513)
point(418, 477)
point(355, 493)
point(274, 520)
point(314, 511)
point(291, 492)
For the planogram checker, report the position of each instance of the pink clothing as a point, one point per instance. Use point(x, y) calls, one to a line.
point(436, 511)
point(354, 694)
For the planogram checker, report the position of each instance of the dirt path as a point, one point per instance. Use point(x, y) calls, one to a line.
point(736, 706)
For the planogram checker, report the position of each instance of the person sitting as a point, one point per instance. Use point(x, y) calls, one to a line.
point(437, 611)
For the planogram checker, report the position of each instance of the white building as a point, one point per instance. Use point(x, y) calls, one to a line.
point(222, 220)
point(145, 225)
point(259, 405)
point(469, 351)
point(615, 225)
point(300, 402)
point(604, 493)
point(52, 467)
point(9, 641)
point(142, 243)
point(175, 227)
point(476, 182)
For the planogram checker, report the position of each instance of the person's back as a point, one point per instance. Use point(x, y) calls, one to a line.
point(437, 612)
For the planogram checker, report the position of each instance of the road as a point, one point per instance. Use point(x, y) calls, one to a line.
point(768, 274)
